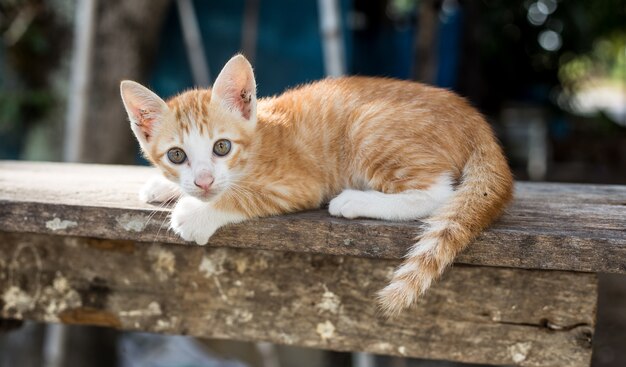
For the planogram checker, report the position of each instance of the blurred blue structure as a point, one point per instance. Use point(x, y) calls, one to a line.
point(288, 47)
point(449, 45)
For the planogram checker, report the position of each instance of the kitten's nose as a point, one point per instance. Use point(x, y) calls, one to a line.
point(204, 181)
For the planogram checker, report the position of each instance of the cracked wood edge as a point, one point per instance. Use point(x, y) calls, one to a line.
point(501, 245)
point(549, 226)
point(474, 314)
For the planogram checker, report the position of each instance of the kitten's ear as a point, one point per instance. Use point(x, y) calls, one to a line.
point(145, 109)
point(235, 88)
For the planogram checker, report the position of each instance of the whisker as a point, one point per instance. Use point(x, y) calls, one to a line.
point(170, 199)
point(160, 206)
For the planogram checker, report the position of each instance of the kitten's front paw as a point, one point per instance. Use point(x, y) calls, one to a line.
point(190, 220)
point(158, 190)
point(349, 204)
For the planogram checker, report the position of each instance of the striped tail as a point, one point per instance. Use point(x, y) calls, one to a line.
point(486, 187)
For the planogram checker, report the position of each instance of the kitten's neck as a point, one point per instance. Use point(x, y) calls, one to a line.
point(272, 128)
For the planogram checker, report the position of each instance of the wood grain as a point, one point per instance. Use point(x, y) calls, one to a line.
point(549, 226)
point(475, 314)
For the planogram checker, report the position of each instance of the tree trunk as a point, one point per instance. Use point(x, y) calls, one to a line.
point(125, 42)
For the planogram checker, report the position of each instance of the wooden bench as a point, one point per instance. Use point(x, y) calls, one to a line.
point(77, 247)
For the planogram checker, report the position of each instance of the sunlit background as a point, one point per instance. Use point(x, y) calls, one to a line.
point(550, 75)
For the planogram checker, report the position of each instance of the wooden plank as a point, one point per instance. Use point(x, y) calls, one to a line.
point(549, 226)
point(610, 335)
point(475, 314)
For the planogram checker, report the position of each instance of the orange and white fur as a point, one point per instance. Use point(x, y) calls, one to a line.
point(372, 147)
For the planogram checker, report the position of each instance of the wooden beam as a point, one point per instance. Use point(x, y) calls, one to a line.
point(474, 314)
point(549, 226)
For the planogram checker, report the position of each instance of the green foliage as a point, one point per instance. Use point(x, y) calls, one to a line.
point(606, 61)
point(23, 106)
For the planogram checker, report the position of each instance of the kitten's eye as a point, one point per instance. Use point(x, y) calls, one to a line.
point(221, 147)
point(176, 155)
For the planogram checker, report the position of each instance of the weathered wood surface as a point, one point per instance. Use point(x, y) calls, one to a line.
point(475, 314)
point(549, 226)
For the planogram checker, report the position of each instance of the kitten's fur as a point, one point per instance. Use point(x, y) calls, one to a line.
point(376, 148)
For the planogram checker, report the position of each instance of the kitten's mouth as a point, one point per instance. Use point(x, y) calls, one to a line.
point(205, 195)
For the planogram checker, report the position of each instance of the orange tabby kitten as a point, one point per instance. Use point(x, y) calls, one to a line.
point(376, 148)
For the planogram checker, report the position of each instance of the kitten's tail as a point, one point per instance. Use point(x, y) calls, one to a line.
point(486, 187)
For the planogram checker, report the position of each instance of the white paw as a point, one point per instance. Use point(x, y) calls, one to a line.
point(191, 220)
point(349, 204)
point(158, 190)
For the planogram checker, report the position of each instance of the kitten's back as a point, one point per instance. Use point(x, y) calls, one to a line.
point(379, 125)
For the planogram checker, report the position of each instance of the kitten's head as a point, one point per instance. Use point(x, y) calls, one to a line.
point(199, 138)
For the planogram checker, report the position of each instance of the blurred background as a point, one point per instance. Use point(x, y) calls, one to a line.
point(550, 75)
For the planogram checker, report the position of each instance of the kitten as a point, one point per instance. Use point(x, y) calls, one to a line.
point(376, 148)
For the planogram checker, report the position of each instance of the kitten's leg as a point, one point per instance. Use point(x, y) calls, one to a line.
point(195, 220)
point(158, 189)
point(407, 205)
